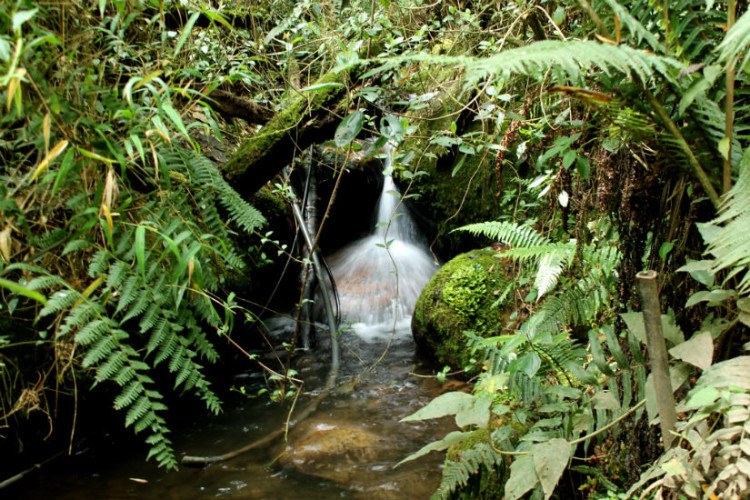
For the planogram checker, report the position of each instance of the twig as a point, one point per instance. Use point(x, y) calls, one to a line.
point(22, 474)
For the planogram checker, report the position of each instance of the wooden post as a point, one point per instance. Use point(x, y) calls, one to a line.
point(657, 353)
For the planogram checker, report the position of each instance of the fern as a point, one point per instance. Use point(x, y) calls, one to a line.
point(570, 56)
point(510, 233)
point(728, 236)
point(736, 42)
point(634, 26)
point(457, 472)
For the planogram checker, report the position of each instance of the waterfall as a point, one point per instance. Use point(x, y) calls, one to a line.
point(380, 277)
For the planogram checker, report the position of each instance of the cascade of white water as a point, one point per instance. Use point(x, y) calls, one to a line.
point(380, 277)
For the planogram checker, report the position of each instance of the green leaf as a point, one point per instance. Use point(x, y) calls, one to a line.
point(4, 50)
point(703, 397)
point(476, 413)
point(723, 147)
point(21, 17)
point(634, 322)
point(714, 296)
point(450, 403)
point(22, 290)
point(699, 270)
point(175, 118)
point(584, 168)
point(550, 461)
point(733, 372)
point(678, 374)
point(449, 440)
point(671, 331)
point(664, 249)
point(140, 250)
point(186, 32)
point(605, 400)
point(522, 477)
point(698, 351)
point(349, 128)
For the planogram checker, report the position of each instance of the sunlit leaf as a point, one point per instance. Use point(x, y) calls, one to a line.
point(697, 351)
point(22, 290)
point(186, 32)
point(53, 154)
point(21, 17)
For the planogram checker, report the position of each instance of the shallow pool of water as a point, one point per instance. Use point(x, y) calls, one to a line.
point(350, 444)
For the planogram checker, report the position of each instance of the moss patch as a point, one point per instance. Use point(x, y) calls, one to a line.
point(461, 297)
point(296, 108)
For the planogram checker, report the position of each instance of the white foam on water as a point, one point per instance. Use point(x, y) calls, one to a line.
point(379, 277)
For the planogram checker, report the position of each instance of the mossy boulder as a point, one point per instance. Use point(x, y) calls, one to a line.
point(462, 296)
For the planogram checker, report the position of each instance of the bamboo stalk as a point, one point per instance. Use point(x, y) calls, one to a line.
point(726, 183)
point(657, 353)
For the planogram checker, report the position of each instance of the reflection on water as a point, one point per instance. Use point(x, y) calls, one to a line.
point(349, 445)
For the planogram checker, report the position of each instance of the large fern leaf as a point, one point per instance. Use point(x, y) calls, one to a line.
point(728, 236)
point(736, 42)
point(573, 57)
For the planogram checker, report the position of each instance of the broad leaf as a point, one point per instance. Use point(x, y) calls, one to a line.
point(697, 351)
point(449, 403)
point(678, 374)
point(733, 372)
point(349, 128)
point(550, 461)
point(522, 477)
point(443, 444)
point(476, 413)
point(605, 400)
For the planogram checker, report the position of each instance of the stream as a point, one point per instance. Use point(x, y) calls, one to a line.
point(349, 446)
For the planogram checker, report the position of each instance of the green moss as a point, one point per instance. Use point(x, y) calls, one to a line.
point(295, 109)
point(460, 297)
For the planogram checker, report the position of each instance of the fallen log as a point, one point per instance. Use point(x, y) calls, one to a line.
point(308, 117)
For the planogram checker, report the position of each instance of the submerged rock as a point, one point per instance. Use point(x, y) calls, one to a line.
point(467, 294)
point(331, 450)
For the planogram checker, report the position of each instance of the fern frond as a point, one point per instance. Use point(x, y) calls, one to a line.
point(736, 42)
point(60, 301)
point(76, 246)
point(101, 350)
point(142, 303)
point(634, 26)
point(80, 315)
point(45, 282)
point(129, 291)
point(114, 363)
point(99, 263)
point(167, 347)
point(93, 331)
point(729, 235)
point(456, 473)
point(117, 274)
point(573, 57)
point(510, 233)
point(49, 239)
point(240, 211)
point(128, 395)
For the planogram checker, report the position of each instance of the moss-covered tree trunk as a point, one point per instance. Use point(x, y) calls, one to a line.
point(308, 117)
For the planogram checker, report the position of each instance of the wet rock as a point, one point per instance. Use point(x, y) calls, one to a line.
point(331, 450)
point(462, 296)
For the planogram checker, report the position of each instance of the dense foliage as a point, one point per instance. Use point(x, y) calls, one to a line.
point(598, 137)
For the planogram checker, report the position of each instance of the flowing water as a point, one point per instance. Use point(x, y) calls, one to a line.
point(349, 446)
